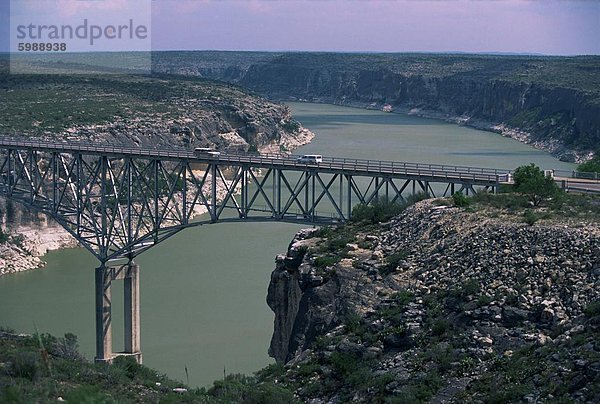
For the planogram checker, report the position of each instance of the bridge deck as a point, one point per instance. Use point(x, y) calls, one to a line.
point(333, 165)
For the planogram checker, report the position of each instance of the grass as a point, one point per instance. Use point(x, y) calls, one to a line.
point(43, 368)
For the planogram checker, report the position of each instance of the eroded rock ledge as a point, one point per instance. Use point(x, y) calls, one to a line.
point(440, 294)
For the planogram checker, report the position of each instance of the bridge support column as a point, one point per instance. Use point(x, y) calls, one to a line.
point(103, 314)
point(129, 273)
point(132, 311)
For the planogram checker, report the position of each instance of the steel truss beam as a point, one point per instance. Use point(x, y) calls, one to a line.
point(119, 205)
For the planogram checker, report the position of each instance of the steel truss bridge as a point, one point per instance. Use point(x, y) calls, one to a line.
point(120, 201)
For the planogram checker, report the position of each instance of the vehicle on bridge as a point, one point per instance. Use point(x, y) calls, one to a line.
point(206, 151)
point(310, 159)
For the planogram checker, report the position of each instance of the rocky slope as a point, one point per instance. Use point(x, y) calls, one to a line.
point(27, 237)
point(440, 304)
point(151, 111)
point(550, 102)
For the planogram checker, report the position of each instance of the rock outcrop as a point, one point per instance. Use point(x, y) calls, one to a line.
point(440, 299)
point(28, 236)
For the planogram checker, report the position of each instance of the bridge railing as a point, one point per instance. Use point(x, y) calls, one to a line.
point(593, 177)
point(438, 171)
point(382, 164)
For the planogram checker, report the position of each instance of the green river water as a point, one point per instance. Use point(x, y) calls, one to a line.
point(203, 291)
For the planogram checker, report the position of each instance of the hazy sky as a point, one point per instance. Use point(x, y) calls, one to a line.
point(551, 27)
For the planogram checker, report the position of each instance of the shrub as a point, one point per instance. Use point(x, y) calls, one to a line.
point(382, 210)
point(325, 261)
point(7, 329)
point(460, 200)
point(291, 126)
point(231, 388)
point(241, 388)
point(11, 394)
point(530, 217)
point(591, 166)
point(4, 236)
point(87, 394)
point(269, 393)
point(484, 300)
point(592, 309)
point(403, 297)
point(470, 287)
point(66, 348)
point(18, 240)
point(392, 262)
point(344, 363)
point(353, 322)
point(414, 198)
point(378, 211)
point(26, 365)
point(509, 201)
point(273, 370)
point(135, 371)
point(337, 242)
point(421, 389)
point(531, 181)
point(440, 326)
point(128, 364)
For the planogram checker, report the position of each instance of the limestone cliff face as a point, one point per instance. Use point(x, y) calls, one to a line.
point(568, 115)
point(152, 111)
point(554, 102)
point(26, 237)
point(308, 302)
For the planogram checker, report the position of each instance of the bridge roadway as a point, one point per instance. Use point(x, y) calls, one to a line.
point(333, 165)
point(330, 165)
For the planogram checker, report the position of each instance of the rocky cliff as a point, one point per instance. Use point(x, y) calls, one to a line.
point(551, 102)
point(25, 236)
point(441, 304)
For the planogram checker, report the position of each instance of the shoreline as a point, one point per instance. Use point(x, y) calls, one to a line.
point(551, 146)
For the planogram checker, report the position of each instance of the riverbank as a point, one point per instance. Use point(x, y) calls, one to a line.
point(551, 146)
point(26, 245)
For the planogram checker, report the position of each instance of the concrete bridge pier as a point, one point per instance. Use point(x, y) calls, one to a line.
point(129, 273)
point(132, 311)
point(103, 314)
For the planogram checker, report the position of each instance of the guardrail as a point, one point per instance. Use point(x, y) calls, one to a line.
point(595, 177)
point(423, 170)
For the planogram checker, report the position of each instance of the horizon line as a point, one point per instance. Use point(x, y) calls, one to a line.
point(485, 53)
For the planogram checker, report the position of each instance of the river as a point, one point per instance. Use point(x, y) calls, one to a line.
point(203, 291)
